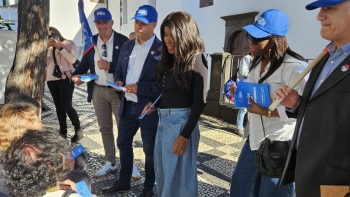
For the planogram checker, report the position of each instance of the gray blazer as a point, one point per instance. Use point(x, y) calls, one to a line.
point(323, 155)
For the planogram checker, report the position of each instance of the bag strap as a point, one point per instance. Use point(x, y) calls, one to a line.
point(67, 193)
point(262, 123)
point(54, 55)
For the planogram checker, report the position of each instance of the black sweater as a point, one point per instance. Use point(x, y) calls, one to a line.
point(195, 99)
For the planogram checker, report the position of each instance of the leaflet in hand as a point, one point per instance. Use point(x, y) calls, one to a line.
point(82, 189)
point(115, 86)
point(77, 151)
point(88, 77)
point(144, 114)
point(260, 94)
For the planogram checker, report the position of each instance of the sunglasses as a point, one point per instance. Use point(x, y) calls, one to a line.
point(104, 52)
point(49, 36)
point(256, 41)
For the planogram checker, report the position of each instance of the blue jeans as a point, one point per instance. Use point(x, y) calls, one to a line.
point(128, 126)
point(248, 182)
point(240, 117)
point(176, 175)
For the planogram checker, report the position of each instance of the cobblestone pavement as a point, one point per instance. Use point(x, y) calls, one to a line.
point(219, 149)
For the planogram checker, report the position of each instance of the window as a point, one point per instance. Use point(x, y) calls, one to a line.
point(205, 3)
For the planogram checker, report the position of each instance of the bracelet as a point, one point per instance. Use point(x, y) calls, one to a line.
point(268, 113)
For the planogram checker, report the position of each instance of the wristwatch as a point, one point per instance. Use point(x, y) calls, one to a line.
point(269, 113)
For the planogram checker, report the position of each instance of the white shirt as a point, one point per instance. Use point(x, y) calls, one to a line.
point(136, 61)
point(109, 49)
point(275, 128)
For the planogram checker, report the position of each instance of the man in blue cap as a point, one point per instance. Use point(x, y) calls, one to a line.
point(320, 150)
point(136, 69)
point(104, 98)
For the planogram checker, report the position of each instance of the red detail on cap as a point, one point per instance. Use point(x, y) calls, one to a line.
point(347, 66)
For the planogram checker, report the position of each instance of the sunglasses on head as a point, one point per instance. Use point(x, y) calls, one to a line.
point(256, 41)
point(104, 52)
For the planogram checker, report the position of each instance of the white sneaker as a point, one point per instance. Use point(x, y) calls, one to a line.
point(135, 173)
point(107, 168)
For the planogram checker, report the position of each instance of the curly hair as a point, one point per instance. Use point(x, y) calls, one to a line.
point(188, 44)
point(15, 119)
point(36, 162)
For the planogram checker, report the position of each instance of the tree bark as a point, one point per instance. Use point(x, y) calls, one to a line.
point(28, 69)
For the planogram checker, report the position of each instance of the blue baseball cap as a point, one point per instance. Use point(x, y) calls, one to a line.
point(322, 3)
point(102, 14)
point(270, 22)
point(146, 14)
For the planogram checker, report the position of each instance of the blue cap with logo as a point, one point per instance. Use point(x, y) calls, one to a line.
point(322, 3)
point(270, 22)
point(102, 14)
point(146, 14)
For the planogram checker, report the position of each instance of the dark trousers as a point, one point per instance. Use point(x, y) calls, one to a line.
point(128, 126)
point(62, 94)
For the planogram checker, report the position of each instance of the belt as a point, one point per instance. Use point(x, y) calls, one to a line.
point(103, 86)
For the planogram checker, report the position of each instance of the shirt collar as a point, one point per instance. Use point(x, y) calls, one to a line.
point(332, 47)
point(110, 39)
point(147, 43)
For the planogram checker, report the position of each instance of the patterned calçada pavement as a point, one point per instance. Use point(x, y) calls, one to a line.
point(218, 150)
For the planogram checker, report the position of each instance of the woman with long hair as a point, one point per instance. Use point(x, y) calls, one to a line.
point(183, 77)
point(62, 52)
point(276, 64)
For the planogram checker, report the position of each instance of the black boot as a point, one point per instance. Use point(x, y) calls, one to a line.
point(63, 133)
point(77, 136)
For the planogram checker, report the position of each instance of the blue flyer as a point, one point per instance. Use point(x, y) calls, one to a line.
point(115, 86)
point(260, 94)
point(77, 151)
point(82, 189)
point(144, 114)
point(88, 77)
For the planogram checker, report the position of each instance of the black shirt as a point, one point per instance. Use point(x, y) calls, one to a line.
point(195, 99)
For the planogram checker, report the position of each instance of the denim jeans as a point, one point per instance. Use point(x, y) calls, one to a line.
point(248, 182)
point(240, 117)
point(128, 126)
point(176, 175)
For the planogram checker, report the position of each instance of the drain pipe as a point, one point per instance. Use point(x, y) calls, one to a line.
point(107, 4)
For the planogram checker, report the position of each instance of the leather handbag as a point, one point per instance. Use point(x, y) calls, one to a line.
point(56, 71)
point(271, 156)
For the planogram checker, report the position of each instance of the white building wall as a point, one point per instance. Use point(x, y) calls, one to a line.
point(303, 35)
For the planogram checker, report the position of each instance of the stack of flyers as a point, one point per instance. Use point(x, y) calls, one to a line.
point(115, 86)
point(88, 77)
point(144, 114)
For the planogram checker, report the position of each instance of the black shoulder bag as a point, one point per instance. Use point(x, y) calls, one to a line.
point(271, 156)
point(56, 71)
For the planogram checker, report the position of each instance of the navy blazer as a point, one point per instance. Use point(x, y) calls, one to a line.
point(88, 61)
point(145, 93)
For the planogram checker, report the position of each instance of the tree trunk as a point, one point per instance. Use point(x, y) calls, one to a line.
point(28, 69)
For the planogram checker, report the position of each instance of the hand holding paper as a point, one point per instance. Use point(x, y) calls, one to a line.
point(116, 86)
point(151, 105)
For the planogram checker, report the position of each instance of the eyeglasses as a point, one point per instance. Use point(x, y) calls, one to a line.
point(104, 52)
point(49, 36)
point(256, 41)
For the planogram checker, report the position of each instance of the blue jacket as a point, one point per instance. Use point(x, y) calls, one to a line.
point(145, 92)
point(88, 61)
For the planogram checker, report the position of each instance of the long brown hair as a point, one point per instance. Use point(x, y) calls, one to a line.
point(187, 44)
point(279, 49)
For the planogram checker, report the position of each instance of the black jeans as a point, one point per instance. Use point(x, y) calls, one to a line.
point(62, 94)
